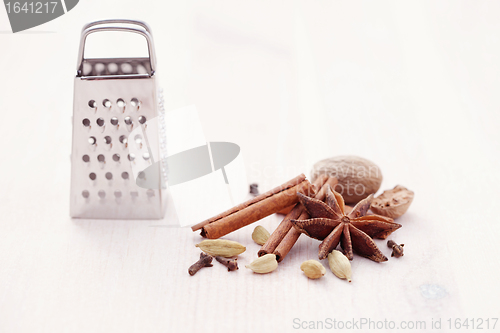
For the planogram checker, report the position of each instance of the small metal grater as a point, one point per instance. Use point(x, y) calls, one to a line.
point(117, 169)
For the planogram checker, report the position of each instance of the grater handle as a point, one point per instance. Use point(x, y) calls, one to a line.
point(142, 24)
point(144, 32)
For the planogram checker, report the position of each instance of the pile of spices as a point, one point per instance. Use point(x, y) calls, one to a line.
point(316, 210)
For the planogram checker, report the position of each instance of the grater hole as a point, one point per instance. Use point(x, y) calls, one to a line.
point(92, 140)
point(142, 120)
point(122, 139)
point(128, 120)
point(125, 175)
point(101, 158)
point(86, 122)
point(145, 156)
point(118, 194)
point(127, 68)
point(85, 194)
point(92, 176)
point(87, 69)
point(85, 158)
point(116, 157)
point(92, 104)
point(141, 175)
point(134, 194)
point(141, 69)
point(150, 193)
point(106, 103)
point(107, 139)
point(135, 102)
point(138, 139)
point(114, 121)
point(109, 175)
point(112, 68)
point(99, 68)
point(101, 194)
point(100, 122)
point(120, 103)
point(131, 157)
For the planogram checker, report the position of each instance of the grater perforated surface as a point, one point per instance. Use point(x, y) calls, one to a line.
point(117, 116)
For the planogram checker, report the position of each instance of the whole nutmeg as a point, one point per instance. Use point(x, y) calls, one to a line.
point(357, 176)
point(393, 203)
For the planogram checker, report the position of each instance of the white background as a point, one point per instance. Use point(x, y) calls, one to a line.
point(412, 86)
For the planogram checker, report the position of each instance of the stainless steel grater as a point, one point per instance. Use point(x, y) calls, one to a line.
point(117, 169)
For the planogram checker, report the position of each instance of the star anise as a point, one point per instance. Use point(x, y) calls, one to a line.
point(355, 230)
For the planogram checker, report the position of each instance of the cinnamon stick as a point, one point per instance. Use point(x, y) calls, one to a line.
point(280, 232)
point(286, 210)
point(293, 234)
point(300, 178)
point(251, 211)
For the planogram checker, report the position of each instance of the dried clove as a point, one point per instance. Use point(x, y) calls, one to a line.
point(254, 189)
point(231, 264)
point(397, 250)
point(205, 261)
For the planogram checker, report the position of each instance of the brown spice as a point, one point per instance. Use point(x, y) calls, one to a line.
point(397, 250)
point(280, 232)
point(285, 236)
point(231, 264)
point(286, 210)
point(355, 230)
point(286, 244)
point(293, 234)
point(300, 178)
point(353, 173)
point(205, 261)
point(254, 189)
point(393, 203)
point(255, 209)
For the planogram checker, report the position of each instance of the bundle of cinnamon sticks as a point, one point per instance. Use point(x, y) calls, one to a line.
point(284, 237)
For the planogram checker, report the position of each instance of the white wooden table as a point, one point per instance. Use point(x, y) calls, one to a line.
point(412, 86)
